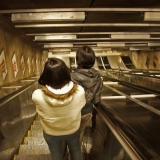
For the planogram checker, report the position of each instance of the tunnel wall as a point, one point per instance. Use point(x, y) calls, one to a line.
point(12, 45)
point(145, 59)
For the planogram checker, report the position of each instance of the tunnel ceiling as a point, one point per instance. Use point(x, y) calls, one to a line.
point(117, 25)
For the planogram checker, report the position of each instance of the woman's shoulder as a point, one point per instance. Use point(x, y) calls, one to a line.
point(80, 88)
point(36, 93)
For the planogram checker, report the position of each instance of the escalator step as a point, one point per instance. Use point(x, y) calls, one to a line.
point(34, 149)
point(36, 122)
point(38, 133)
point(35, 141)
point(33, 157)
point(36, 127)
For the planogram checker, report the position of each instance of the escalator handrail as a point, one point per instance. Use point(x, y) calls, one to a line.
point(136, 147)
point(7, 98)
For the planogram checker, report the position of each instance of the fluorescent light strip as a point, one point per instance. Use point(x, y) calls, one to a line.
point(101, 49)
point(28, 80)
point(153, 44)
point(55, 37)
point(108, 53)
point(105, 82)
point(88, 25)
point(143, 96)
point(58, 45)
point(152, 16)
point(113, 97)
point(12, 87)
point(84, 39)
point(58, 53)
point(79, 39)
point(111, 44)
point(52, 16)
point(154, 110)
point(138, 73)
point(60, 50)
point(130, 36)
point(139, 48)
point(155, 38)
point(136, 44)
point(50, 55)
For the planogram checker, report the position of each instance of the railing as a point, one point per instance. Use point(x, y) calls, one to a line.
point(17, 112)
point(130, 141)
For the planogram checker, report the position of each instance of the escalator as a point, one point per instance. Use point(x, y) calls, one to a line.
point(134, 112)
point(126, 115)
point(34, 146)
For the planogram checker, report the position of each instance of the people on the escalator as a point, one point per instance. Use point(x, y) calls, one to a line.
point(58, 104)
point(92, 82)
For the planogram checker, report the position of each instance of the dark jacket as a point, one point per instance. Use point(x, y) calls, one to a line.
point(92, 82)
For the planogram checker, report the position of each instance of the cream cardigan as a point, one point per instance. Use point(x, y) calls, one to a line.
point(59, 117)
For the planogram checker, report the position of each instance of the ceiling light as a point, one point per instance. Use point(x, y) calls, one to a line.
point(58, 45)
point(136, 44)
point(130, 36)
point(55, 37)
point(111, 44)
point(50, 55)
point(60, 50)
point(71, 54)
point(84, 39)
point(101, 49)
point(138, 73)
point(58, 53)
point(52, 16)
point(153, 44)
point(152, 16)
point(108, 53)
point(139, 48)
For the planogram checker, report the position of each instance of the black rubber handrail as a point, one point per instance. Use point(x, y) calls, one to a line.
point(143, 149)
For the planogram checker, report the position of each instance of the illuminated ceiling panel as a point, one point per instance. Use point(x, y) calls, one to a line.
point(55, 37)
point(151, 16)
point(112, 44)
point(52, 16)
point(59, 45)
point(130, 36)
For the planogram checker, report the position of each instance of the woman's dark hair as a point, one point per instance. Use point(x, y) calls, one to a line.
point(85, 57)
point(55, 74)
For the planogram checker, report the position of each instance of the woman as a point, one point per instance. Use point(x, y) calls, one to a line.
point(90, 80)
point(59, 103)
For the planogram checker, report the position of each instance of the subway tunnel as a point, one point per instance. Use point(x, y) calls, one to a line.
point(125, 37)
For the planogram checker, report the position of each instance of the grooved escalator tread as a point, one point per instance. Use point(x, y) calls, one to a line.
point(33, 157)
point(34, 149)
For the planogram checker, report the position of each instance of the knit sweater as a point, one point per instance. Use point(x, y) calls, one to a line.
point(59, 110)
